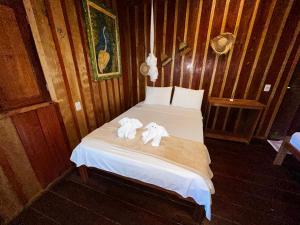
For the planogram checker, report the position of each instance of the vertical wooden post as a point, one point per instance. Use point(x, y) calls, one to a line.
point(281, 153)
point(83, 173)
point(198, 214)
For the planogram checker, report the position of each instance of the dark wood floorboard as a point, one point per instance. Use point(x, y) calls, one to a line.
point(110, 207)
point(147, 201)
point(249, 191)
point(31, 216)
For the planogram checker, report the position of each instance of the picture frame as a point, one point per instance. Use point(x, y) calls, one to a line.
point(103, 40)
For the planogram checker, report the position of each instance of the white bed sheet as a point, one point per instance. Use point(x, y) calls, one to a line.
point(295, 140)
point(179, 122)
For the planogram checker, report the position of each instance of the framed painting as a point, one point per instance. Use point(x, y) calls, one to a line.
point(103, 37)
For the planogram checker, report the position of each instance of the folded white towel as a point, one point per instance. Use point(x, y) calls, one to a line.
point(128, 127)
point(154, 132)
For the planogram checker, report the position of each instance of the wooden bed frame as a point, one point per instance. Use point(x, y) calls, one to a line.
point(284, 149)
point(199, 211)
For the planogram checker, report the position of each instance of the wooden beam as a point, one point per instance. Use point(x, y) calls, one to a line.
point(83, 173)
point(195, 44)
point(212, 12)
point(174, 43)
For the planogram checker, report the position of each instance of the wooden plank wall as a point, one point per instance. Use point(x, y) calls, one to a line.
point(288, 118)
point(59, 33)
point(266, 51)
point(33, 153)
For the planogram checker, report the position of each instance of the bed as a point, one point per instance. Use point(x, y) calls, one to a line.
point(179, 122)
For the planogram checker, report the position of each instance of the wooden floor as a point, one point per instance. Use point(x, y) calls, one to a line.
point(249, 191)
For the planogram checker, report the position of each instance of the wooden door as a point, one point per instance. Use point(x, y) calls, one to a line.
point(21, 77)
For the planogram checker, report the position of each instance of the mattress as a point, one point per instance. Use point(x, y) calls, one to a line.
point(179, 122)
point(295, 140)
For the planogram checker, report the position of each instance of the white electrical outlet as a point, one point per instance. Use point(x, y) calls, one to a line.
point(267, 88)
point(77, 106)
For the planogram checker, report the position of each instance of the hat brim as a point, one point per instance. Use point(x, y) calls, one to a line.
point(144, 69)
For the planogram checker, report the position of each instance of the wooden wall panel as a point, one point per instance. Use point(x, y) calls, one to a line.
point(9, 173)
point(207, 12)
point(141, 52)
point(55, 137)
point(295, 124)
point(42, 134)
point(66, 65)
point(62, 44)
point(171, 11)
point(39, 23)
point(287, 120)
point(133, 41)
point(183, 10)
point(10, 203)
point(80, 62)
point(34, 152)
point(13, 152)
point(265, 51)
point(39, 154)
point(281, 11)
point(124, 82)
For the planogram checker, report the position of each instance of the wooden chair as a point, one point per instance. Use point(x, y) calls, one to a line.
point(284, 149)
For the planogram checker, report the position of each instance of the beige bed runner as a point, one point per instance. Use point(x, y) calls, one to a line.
point(188, 154)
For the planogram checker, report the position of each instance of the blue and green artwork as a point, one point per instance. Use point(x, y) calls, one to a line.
point(103, 37)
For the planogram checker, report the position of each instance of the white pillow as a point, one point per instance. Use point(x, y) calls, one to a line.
point(187, 98)
point(158, 95)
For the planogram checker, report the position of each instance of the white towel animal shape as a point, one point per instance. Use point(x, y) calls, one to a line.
point(154, 132)
point(128, 127)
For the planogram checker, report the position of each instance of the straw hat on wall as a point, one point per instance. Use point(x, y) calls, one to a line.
point(144, 69)
point(222, 43)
